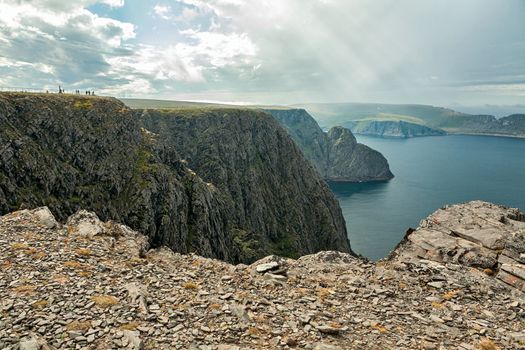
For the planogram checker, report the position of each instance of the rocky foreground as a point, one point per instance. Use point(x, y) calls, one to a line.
point(94, 285)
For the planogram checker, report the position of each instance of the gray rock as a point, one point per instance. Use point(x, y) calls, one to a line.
point(46, 217)
point(138, 294)
point(325, 346)
point(240, 312)
point(85, 223)
point(29, 344)
point(133, 339)
point(262, 268)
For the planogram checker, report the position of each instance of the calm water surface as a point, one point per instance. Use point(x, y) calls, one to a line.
point(430, 172)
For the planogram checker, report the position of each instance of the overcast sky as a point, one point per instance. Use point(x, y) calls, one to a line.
point(442, 52)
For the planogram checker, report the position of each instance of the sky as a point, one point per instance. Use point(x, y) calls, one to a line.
point(446, 52)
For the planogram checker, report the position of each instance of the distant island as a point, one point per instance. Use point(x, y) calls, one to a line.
point(410, 120)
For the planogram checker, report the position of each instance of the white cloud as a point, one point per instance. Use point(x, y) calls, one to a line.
point(162, 11)
point(51, 42)
point(62, 5)
point(187, 62)
point(156, 64)
point(284, 51)
point(214, 49)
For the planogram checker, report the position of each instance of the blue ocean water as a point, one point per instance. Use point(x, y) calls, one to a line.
point(430, 172)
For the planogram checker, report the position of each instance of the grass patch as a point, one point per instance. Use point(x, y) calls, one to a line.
point(83, 104)
point(83, 252)
point(215, 306)
point(437, 305)
point(451, 294)
point(323, 293)
point(130, 326)
point(380, 328)
point(25, 289)
point(74, 264)
point(39, 305)
point(78, 326)
point(60, 279)
point(190, 285)
point(487, 344)
point(19, 246)
point(104, 301)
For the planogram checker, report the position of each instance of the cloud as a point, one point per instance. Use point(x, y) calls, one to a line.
point(54, 42)
point(62, 5)
point(270, 51)
point(162, 11)
point(59, 43)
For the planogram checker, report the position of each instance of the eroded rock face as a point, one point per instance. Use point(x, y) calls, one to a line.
point(477, 234)
point(336, 154)
point(349, 160)
point(75, 152)
point(60, 289)
point(274, 196)
point(249, 192)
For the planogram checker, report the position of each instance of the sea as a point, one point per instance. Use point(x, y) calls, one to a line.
point(430, 172)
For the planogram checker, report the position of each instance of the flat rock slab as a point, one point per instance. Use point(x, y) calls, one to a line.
point(262, 268)
point(491, 237)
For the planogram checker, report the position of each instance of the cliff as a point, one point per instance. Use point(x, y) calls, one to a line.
point(336, 154)
point(392, 128)
point(277, 198)
point(97, 285)
point(72, 152)
point(423, 116)
point(513, 125)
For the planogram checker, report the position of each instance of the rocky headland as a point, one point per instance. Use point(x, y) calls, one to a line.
point(392, 128)
point(228, 183)
point(421, 120)
point(455, 283)
point(336, 154)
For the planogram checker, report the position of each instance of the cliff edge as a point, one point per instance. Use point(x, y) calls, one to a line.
point(277, 199)
point(247, 192)
point(336, 154)
point(97, 285)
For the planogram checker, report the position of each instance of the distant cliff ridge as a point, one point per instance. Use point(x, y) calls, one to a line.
point(336, 154)
point(227, 183)
point(392, 128)
point(436, 118)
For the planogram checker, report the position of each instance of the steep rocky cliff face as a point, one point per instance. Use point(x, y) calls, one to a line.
point(392, 128)
point(347, 157)
point(71, 152)
point(279, 202)
point(336, 154)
